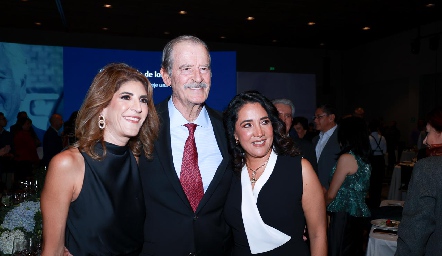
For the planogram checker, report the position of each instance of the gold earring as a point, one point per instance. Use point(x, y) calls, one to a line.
point(101, 122)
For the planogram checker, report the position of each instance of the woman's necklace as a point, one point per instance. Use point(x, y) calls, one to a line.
point(254, 179)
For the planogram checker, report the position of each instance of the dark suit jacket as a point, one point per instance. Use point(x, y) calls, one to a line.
point(328, 157)
point(171, 227)
point(52, 145)
point(420, 230)
point(307, 151)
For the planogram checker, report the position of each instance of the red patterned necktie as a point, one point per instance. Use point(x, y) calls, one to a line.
point(190, 176)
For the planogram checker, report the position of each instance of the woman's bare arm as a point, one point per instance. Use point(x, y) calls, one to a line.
point(346, 165)
point(314, 210)
point(63, 183)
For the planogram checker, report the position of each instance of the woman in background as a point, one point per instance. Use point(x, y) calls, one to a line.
point(276, 192)
point(25, 151)
point(420, 231)
point(345, 198)
point(92, 201)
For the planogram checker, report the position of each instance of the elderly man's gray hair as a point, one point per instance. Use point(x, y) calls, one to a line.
point(285, 102)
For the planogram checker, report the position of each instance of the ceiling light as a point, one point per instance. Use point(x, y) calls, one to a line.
point(250, 18)
point(107, 6)
point(38, 23)
point(166, 32)
point(182, 12)
point(274, 41)
point(322, 44)
point(366, 28)
point(222, 37)
point(311, 23)
point(105, 29)
point(430, 5)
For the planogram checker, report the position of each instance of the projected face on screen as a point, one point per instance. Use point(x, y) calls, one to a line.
point(12, 79)
point(31, 80)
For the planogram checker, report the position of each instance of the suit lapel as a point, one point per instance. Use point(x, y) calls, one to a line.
point(216, 120)
point(164, 151)
point(328, 146)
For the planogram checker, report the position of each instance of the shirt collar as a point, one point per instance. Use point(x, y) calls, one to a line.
point(330, 131)
point(54, 128)
point(177, 119)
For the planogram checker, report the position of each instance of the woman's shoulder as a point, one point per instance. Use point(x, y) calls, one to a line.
point(432, 164)
point(69, 159)
point(348, 156)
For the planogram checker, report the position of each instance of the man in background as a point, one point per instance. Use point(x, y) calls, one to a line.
point(359, 112)
point(326, 143)
point(52, 141)
point(5, 137)
point(5, 155)
point(300, 124)
point(286, 111)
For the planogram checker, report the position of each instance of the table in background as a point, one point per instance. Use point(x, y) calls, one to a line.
point(408, 155)
point(394, 192)
point(380, 244)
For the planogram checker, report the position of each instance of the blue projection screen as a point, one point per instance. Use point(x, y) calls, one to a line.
point(43, 80)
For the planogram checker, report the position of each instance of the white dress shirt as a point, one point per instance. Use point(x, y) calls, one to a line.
point(323, 138)
point(374, 146)
point(209, 155)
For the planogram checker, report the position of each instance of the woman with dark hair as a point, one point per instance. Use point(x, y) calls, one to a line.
point(420, 231)
point(350, 179)
point(276, 193)
point(92, 201)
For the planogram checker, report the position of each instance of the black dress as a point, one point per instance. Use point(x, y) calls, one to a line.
point(280, 206)
point(108, 216)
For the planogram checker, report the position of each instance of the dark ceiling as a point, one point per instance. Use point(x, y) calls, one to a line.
point(277, 22)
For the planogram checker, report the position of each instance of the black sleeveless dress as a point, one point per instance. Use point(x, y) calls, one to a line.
point(280, 206)
point(108, 216)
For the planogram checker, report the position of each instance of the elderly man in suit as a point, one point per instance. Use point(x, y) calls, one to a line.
point(286, 110)
point(52, 142)
point(326, 143)
point(177, 223)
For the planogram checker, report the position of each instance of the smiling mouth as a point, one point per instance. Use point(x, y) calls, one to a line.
point(258, 142)
point(132, 119)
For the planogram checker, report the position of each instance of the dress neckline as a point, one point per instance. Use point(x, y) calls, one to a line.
point(112, 148)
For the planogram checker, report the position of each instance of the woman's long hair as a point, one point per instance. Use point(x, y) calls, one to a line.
point(282, 144)
point(100, 93)
point(353, 135)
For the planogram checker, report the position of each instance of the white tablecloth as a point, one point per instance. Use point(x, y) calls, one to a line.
point(383, 244)
point(394, 193)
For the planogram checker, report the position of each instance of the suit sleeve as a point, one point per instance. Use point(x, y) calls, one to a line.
point(418, 217)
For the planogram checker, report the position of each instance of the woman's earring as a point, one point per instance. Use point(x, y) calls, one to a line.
point(236, 141)
point(101, 122)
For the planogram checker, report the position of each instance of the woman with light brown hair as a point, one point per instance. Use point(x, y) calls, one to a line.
point(92, 202)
